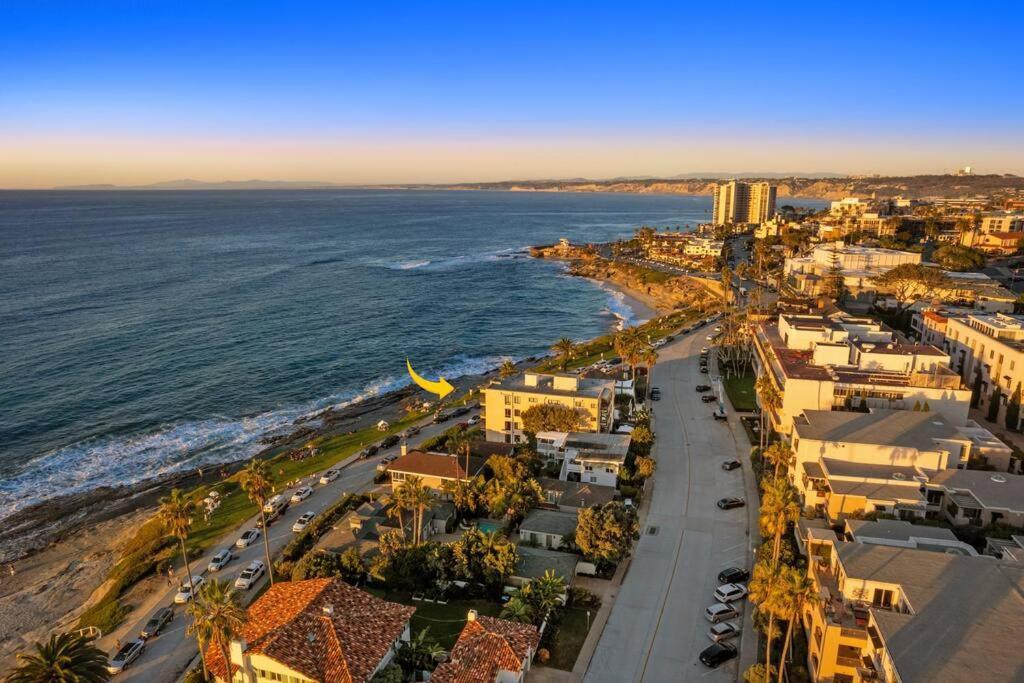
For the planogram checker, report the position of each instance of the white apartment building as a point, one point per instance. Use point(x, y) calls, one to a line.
point(848, 363)
point(859, 265)
point(586, 457)
point(737, 202)
point(703, 246)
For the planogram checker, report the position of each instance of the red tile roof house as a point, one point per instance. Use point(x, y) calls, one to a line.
point(489, 650)
point(319, 630)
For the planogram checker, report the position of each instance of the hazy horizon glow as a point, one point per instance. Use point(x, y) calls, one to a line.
point(136, 93)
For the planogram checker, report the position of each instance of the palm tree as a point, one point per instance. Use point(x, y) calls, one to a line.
point(400, 503)
point(764, 593)
point(517, 609)
point(797, 590)
point(630, 346)
point(507, 369)
point(216, 618)
point(65, 658)
point(547, 592)
point(769, 399)
point(420, 498)
point(256, 483)
point(779, 455)
point(466, 494)
point(564, 347)
point(176, 511)
point(460, 442)
point(779, 509)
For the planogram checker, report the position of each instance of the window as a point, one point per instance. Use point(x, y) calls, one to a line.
point(508, 400)
point(882, 598)
point(398, 476)
point(508, 412)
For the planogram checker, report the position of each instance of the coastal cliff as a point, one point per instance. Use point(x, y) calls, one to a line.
point(815, 188)
point(659, 290)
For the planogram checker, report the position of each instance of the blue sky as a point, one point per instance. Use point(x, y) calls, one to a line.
point(385, 87)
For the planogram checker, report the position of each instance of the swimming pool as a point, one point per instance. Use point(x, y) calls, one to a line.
point(489, 525)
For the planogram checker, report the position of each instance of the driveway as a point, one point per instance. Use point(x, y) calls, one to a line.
point(657, 627)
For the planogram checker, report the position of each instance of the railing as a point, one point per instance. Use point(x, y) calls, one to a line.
point(849, 662)
point(853, 633)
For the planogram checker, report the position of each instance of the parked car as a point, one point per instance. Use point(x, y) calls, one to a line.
point(704, 369)
point(156, 622)
point(720, 611)
point(412, 431)
point(185, 591)
point(730, 503)
point(271, 517)
point(329, 476)
point(372, 449)
point(711, 337)
point(705, 351)
point(668, 338)
point(733, 575)
point(701, 388)
point(730, 592)
point(128, 653)
point(250, 575)
point(730, 465)
point(475, 420)
point(302, 494)
point(275, 503)
point(442, 416)
point(219, 560)
point(709, 398)
point(248, 538)
point(723, 630)
point(302, 522)
point(720, 414)
point(390, 441)
point(717, 654)
point(460, 411)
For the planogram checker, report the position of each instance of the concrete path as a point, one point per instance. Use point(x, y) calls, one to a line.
point(657, 627)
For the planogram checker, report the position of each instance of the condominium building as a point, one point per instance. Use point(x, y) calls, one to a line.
point(738, 202)
point(1003, 243)
point(585, 457)
point(1002, 222)
point(852, 463)
point(987, 349)
point(505, 401)
point(902, 615)
point(849, 363)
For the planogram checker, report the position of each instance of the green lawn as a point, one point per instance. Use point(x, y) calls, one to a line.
point(444, 621)
point(572, 631)
point(740, 389)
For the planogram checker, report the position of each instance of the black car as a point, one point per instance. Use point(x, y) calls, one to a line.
point(704, 369)
point(733, 575)
point(730, 503)
point(717, 654)
point(372, 449)
point(703, 387)
point(710, 398)
point(459, 412)
point(669, 338)
point(655, 397)
point(390, 441)
point(730, 465)
point(156, 622)
point(655, 390)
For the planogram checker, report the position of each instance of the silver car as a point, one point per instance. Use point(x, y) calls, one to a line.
point(128, 653)
point(720, 611)
point(723, 630)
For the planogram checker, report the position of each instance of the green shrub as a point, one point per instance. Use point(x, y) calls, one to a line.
point(105, 615)
point(304, 542)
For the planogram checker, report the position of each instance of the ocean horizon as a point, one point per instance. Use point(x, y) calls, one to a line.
point(151, 332)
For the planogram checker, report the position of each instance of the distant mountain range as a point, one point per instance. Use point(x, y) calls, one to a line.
point(190, 184)
point(814, 185)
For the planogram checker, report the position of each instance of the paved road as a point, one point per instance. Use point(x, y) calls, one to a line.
point(168, 654)
point(657, 626)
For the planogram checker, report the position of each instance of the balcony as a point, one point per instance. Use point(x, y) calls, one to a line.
point(835, 610)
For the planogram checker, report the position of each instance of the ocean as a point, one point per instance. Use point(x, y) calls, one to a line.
point(145, 332)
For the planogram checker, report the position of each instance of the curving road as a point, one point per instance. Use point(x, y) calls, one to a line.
point(657, 627)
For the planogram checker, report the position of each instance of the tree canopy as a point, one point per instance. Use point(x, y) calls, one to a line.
point(910, 282)
point(553, 417)
point(959, 258)
point(604, 534)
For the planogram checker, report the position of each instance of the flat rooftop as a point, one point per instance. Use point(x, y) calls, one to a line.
point(897, 530)
point(593, 388)
point(880, 427)
point(966, 612)
point(994, 490)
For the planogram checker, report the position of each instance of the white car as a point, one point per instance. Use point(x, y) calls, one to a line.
point(730, 592)
point(219, 560)
point(723, 630)
point(248, 538)
point(329, 476)
point(473, 420)
point(720, 612)
point(185, 591)
point(302, 494)
point(273, 504)
point(711, 337)
point(250, 575)
point(302, 522)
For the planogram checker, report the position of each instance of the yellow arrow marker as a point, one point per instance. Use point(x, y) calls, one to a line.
point(441, 387)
